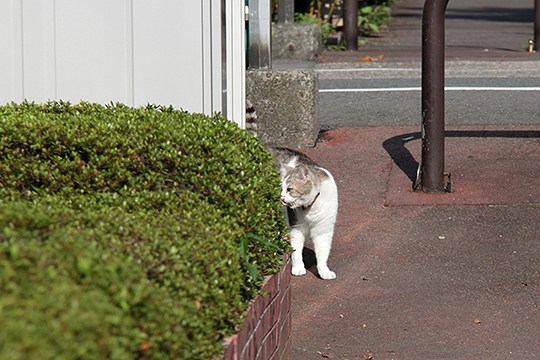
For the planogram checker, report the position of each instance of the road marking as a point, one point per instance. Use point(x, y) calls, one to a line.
point(418, 88)
point(367, 69)
point(419, 70)
point(493, 88)
point(370, 90)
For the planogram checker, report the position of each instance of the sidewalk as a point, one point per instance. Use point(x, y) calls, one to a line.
point(453, 276)
point(481, 29)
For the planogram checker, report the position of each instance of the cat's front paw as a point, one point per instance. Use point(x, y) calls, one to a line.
point(327, 275)
point(298, 271)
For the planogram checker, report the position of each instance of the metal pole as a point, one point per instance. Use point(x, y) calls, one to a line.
point(350, 24)
point(286, 11)
point(433, 43)
point(260, 46)
point(537, 25)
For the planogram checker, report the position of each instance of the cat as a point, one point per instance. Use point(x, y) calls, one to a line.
point(309, 194)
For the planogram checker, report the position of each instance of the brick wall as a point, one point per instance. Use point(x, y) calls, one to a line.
point(266, 331)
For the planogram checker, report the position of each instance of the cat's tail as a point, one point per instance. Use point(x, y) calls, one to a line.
point(251, 118)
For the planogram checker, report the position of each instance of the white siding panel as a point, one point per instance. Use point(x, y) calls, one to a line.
point(90, 50)
point(11, 69)
point(216, 54)
point(39, 50)
point(168, 51)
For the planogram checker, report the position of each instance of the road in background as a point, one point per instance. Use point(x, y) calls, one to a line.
point(389, 93)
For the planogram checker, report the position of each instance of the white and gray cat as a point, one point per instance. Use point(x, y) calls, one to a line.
point(310, 196)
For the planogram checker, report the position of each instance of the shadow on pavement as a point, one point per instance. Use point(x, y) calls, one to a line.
point(405, 161)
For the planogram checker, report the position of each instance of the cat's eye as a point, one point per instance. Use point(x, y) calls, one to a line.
point(289, 189)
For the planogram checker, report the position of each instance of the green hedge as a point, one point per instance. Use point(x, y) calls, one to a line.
point(130, 233)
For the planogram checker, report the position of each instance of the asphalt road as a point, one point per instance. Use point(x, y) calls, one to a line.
point(477, 93)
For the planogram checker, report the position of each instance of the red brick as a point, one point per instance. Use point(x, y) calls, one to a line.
point(266, 319)
point(246, 332)
point(261, 354)
point(271, 287)
point(231, 349)
point(259, 335)
point(271, 316)
point(285, 273)
point(249, 351)
point(272, 341)
point(260, 306)
point(286, 354)
point(273, 356)
point(285, 280)
point(285, 334)
point(250, 323)
point(285, 306)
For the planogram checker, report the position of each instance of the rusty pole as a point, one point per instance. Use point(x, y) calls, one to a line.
point(350, 24)
point(537, 25)
point(433, 43)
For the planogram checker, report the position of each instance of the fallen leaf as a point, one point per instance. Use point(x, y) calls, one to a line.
point(477, 321)
point(368, 356)
point(371, 58)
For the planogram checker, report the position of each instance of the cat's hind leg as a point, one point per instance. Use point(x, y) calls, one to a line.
point(297, 243)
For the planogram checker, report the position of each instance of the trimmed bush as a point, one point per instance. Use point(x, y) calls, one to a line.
point(130, 233)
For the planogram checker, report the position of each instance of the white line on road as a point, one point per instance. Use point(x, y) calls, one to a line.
point(370, 90)
point(367, 69)
point(418, 88)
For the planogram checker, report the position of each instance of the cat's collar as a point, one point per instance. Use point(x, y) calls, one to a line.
point(305, 207)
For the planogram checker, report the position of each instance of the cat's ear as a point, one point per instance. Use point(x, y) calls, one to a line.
point(286, 168)
point(305, 173)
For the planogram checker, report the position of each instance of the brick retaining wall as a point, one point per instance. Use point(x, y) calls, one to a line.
point(266, 331)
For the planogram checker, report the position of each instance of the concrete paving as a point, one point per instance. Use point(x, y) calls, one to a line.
point(451, 276)
point(427, 276)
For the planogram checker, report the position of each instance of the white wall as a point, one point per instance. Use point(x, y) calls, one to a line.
point(130, 51)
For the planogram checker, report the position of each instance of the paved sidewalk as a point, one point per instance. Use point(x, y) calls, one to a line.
point(452, 276)
point(480, 29)
point(427, 276)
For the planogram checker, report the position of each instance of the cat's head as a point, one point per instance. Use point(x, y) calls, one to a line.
point(299, 187)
